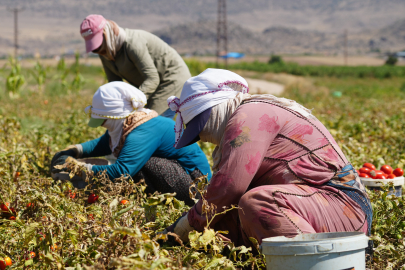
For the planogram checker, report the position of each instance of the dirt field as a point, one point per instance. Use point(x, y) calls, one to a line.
point(312, 60)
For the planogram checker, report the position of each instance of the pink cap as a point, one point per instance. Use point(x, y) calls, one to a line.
point(91, 30)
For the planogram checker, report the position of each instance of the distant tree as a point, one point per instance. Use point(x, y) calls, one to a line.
point(391, 60)
point(276, 59)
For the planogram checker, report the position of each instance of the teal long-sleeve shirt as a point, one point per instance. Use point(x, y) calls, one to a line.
point(155, 138)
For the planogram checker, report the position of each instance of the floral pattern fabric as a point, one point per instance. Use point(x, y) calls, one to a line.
point(269, 151)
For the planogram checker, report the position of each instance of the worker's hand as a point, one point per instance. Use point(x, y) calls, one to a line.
point(60, 158)
point(181, 227)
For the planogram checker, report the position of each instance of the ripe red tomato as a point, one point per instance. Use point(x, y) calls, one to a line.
point(398, 172)
point(386, 169)
point(365, 170)
point(375, 173)
point(4, 206)
point(391, 176)
point(369, 165)
point(32, 255)
point(92, 198)
point(91, 216)
point(380, 176)
point(30, 205)
point(364, 175)
point(12, 218)
point(72, 195)
point(7, 262)
point(123, 202)
point(2, 265)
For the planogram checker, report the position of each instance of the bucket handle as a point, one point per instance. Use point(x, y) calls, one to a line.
point(326, 247)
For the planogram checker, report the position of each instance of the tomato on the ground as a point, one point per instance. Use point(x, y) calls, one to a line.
point(398, 172)
point(4, 263)
point(92, 198)
point(32, 254)
point(364, 175)
point(369, 165)
point(386, 169)
point(123, 202)
point(4, 206)
point(72, 194)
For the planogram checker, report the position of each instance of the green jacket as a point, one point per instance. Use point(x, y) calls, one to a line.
point(150, 64)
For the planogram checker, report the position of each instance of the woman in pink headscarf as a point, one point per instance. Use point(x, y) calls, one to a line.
point(273, 159)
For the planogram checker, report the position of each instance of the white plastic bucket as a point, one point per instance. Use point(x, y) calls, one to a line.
point(375, 184)
point(317, 251)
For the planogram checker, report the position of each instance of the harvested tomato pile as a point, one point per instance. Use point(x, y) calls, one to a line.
point(385, 172)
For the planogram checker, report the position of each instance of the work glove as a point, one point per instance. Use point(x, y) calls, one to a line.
point(181, 227)
point(78, 181)
point(60, 157)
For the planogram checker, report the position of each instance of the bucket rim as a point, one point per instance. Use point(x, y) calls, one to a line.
point(348, 241)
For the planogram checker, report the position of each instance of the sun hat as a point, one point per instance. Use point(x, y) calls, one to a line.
point(91, 30)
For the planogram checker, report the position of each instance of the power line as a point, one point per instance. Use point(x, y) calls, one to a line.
point(222, 33)
point(15, 11)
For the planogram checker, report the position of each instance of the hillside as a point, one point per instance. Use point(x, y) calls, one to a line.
point(49, 26)
point(199, 38)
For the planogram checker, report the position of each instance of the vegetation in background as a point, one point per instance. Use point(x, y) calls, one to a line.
point(276, 59)
point(380, 72)
point(391, 60)
point(69, 233)
point(15, 79)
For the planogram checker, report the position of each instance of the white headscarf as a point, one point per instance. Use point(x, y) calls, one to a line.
point(115, 101)
point(211, 87)
point(215, 86)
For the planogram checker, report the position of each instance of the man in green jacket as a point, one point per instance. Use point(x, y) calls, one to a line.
point(139, 57)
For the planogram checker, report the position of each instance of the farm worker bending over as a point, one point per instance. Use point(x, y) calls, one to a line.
point(139, 57)
point(273, 158)
point(140, 141)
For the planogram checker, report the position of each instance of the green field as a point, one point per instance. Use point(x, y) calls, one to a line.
point(45, 114)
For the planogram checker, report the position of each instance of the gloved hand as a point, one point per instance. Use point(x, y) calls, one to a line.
point(60, 157)
point(78, 180)
point(181, 227)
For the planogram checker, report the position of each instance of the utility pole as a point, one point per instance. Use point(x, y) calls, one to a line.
point(222, 34)
point(345, 49)
point(15, 11)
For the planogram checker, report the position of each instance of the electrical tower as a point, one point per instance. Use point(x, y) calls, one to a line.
point(345, 49)
point(15, 11)
point(222, 34)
